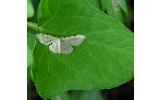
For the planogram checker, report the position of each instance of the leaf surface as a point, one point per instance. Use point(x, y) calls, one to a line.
point(115, 8)
point(30, 47)
point(96, 3)
point(86, 95)
point(104, 60)
point(30, 9)
point(123, 6)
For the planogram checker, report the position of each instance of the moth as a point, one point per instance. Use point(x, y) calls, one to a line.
point(60, 45)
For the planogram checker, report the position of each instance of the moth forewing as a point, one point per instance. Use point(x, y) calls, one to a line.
point(66, 47)
point(55, 47)
point(75, 40)
point(46, 39)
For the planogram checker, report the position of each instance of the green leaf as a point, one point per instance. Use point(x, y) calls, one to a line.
point(30, 9)
point(29, 75)
point(63, 96)
point(30, 47)
point(114, 8)
point(95, 3)
point(91, 95)
point(31, 43)
point(123, 6)
point(86, 95)
point(80, 95)
point(104, 60)
point(33, 26)
point(29, 56)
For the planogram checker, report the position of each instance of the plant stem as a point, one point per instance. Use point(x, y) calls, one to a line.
point(34, 26)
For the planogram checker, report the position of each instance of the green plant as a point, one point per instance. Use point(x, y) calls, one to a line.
point(103, 61)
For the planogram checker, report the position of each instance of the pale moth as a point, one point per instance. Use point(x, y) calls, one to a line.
point(61, 44)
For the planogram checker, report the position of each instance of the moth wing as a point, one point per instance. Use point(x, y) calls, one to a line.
point(75, 40)
point(55, 47)
point(66, 47)
point(46, 39)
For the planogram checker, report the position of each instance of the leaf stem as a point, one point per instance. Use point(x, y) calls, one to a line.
point(34, 26)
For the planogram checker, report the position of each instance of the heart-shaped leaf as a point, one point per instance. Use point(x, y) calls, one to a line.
point(104, 60)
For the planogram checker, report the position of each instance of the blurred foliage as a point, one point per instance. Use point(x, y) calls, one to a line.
point(30, 9)
point(86, 95)
point(115, 8)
